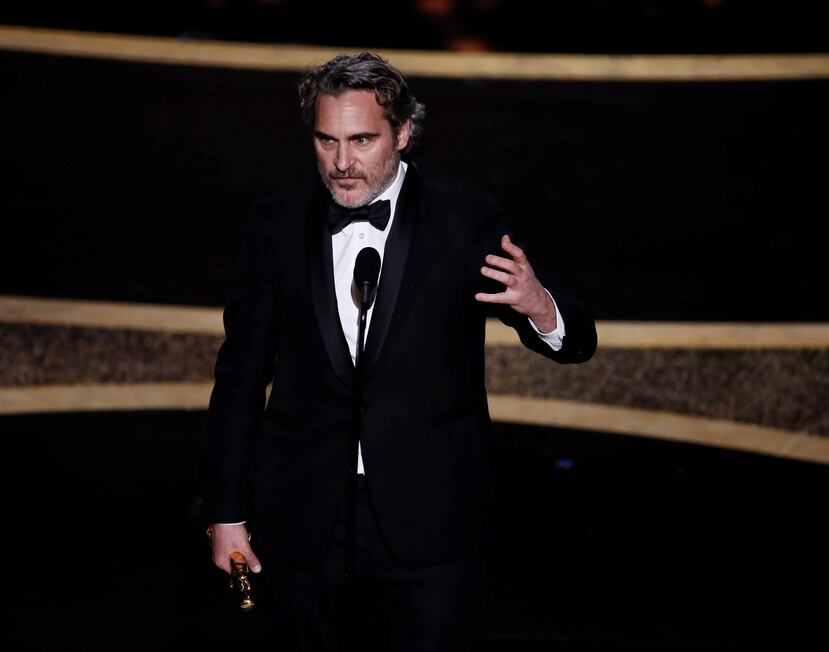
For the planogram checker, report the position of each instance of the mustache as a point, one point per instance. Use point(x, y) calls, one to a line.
point(350, 173)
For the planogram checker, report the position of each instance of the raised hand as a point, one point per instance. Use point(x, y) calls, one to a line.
point(522, 292)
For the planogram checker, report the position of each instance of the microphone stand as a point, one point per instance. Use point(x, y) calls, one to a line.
point(356, 425)
point(351, 486)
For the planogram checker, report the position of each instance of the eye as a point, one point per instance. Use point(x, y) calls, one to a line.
point(362, 140)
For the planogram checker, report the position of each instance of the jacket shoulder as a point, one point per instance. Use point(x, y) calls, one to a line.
point(454, 191)
point(457, 206)
point(286, 206)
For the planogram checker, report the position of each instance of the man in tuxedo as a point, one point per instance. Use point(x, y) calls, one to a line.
point(276, 471)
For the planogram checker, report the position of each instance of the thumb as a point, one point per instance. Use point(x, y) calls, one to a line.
point(252, 560)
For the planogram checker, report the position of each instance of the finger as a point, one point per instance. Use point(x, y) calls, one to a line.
point(501, 297)
point(250, 558)
point(504, 263)
point(222, 557)
point(502, 277)
point(221, 560)
point(253, 561)
point(513, 250)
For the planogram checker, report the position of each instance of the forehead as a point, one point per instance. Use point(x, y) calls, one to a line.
point(353, 110)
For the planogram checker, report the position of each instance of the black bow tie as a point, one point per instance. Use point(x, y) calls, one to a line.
point(377, 214)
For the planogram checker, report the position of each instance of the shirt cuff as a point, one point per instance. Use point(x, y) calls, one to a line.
point(555, 338)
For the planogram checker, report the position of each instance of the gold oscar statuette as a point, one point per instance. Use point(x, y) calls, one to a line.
point(239, 577)
point(240, 581)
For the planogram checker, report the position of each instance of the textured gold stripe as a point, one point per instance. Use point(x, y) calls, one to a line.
point(505, 408)
point(660, 425)
point(612, 334)
point(720, 335)
point(296, 58)
point(102, 397)
point(690, 335)
point(109, 314)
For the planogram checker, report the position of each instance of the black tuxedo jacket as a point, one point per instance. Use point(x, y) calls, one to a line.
point(427, 440)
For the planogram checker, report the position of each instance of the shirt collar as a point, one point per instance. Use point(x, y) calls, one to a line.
point(393, 191)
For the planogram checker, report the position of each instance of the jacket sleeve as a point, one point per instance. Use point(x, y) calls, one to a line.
point(579, 343)
point(244, 368)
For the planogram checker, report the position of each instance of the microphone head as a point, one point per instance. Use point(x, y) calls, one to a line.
point(367, 267)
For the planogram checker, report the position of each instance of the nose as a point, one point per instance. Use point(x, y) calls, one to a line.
point(343, 159)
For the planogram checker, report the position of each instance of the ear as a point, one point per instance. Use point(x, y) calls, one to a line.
point(403, 135)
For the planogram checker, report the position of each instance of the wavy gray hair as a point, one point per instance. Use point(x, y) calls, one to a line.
point(365, 71)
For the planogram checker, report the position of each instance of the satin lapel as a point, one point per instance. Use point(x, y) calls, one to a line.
point(323, 294)
point(394, 264)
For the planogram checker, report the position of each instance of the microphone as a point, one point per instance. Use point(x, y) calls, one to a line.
point(366, 274)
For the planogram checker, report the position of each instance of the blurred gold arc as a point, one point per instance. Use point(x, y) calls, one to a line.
point(460, 65)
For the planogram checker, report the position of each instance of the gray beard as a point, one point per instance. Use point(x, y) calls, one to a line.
point(373, 191)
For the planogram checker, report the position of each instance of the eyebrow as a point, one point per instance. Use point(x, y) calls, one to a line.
point(365, 134)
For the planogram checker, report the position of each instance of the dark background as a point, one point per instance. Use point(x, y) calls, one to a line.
point(652, 201)
point(582, 26)
point(606, 543)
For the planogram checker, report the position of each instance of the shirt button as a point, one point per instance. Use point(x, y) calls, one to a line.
point(362, 235)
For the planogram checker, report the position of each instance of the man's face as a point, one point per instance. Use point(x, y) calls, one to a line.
point(357, 154)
